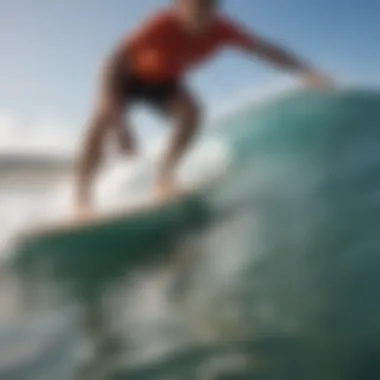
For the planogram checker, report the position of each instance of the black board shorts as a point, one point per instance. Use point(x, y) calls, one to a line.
point(129, 88)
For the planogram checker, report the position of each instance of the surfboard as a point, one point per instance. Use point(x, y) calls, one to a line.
point(123, 234)
point(119, 232)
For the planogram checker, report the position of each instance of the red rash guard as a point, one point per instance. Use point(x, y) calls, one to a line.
point(161, 49)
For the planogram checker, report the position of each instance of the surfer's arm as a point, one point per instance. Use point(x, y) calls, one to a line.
point(284, 59)
point(277, 55)
point(117, 62)
point(236, 35)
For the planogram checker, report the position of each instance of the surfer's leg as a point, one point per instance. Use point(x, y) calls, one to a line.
point(187, 114)
point(107, 115)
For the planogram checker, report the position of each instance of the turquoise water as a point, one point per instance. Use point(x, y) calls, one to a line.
point(281, 283)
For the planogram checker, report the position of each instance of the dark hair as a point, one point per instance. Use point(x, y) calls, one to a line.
point(213, 3)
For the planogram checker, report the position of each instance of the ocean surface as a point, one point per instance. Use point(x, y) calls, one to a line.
point(281, 283)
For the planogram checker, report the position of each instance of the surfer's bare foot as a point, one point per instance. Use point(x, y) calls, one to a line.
point(82, 211)
point(166, 190)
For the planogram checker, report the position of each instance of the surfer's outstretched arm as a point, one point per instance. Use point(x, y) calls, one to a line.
point(284, 59)
point(275, 54)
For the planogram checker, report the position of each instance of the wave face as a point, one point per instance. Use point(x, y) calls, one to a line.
point(295, 252)
point(282, 283)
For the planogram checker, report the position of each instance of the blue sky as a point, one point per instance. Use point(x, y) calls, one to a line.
point(51, 50)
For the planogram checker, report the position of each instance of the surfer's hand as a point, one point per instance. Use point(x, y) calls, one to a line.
point(317, 80)
point(127, 151)
point(127, 145)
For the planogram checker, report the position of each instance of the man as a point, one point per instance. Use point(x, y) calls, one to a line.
point(150, 64)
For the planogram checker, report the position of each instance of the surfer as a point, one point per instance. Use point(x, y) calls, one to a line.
point(149, 65)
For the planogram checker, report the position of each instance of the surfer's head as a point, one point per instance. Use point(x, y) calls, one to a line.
point(197, 14)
